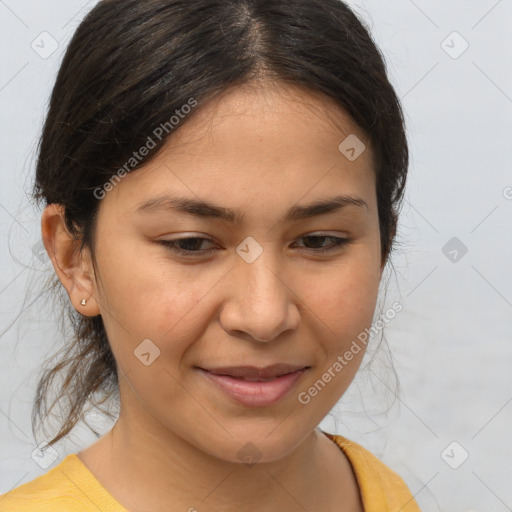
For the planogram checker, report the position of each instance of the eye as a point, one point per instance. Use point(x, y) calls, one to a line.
point(193, 244)
point(336, 244)
point(174, 245)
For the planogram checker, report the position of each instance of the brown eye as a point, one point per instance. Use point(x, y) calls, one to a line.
point(337, 243)
point(190, 246)
point(191, 242)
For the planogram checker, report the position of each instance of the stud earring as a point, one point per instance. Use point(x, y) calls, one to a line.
point(83, 302)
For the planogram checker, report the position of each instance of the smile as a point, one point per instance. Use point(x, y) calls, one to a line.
point(254, 391)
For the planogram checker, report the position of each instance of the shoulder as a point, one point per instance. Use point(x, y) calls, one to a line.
point(381, 488)
point(63, 488)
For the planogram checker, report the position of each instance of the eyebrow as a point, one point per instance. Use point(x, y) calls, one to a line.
point(204, 209)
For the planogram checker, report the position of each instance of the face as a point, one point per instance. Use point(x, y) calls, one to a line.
point(180, 291)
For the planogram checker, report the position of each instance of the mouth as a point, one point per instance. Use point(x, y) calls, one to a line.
point(255, 387)
point(255, 374)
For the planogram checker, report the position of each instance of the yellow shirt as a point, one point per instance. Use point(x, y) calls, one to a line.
point(71, 487)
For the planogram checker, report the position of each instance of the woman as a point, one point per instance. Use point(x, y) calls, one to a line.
point(195, 160)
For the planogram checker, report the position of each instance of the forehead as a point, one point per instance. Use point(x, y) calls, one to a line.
point(251, 145)
point(261, 104)
point(269, 128)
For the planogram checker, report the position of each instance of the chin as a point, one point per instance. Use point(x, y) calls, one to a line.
point(254, 446)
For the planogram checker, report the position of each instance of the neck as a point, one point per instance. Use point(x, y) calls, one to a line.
point(145, 466)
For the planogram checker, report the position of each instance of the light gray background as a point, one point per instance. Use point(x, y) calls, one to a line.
point(452, 343)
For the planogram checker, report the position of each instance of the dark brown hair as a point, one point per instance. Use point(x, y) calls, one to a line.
point(132, 64)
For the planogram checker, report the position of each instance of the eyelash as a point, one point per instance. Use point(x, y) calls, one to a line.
point(172, 245)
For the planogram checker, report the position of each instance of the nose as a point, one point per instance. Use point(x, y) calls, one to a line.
point(260, 304)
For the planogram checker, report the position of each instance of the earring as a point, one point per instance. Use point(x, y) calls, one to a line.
point(83, 302)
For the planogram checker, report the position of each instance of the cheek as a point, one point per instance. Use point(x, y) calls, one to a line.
point(160, 301)
point(341, 299)
point(171, 305)
point(342, 305)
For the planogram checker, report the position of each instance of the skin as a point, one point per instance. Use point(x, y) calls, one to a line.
point(260, 150)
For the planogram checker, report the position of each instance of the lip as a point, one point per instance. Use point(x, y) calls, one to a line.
point(253, 372)
point(254, 393)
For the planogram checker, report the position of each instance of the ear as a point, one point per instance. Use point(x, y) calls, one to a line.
point(74, 268)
